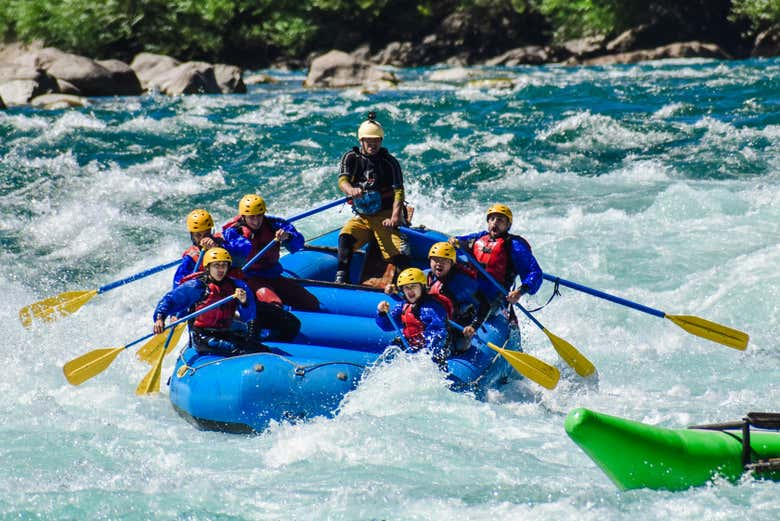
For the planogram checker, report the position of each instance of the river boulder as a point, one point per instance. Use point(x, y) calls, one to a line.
point(337, 69)
point(172, 77)
point(59, 101)
point(89, 77)
point(188, 78)
point(767, 43)
point(229, 78)
point(21, 83)
point(148, 65)
point(674, 50)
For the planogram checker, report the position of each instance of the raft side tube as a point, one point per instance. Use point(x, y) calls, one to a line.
point(637, 455)
point(344, 331)
point(244, 393)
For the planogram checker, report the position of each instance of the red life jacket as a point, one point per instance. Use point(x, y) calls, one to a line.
point(194, 251)
point(221, 317)
point(259, 239)
point(412, 327)
point(466, 269)
point(493, 254)
point(438, 291)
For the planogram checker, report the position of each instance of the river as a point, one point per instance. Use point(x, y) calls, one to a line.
point(657, 182)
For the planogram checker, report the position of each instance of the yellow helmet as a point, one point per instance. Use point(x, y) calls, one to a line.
point(442, 249)
point(199, 221)
point(216, 255)
point(371, 128)
point(502, 209)
point(411, 276)
point(251, 204)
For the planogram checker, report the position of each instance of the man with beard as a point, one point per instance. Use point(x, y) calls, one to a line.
point(505, 256)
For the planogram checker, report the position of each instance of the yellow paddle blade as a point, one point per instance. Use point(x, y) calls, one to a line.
point(711, 331)
point(582, 366)
point(150, 351)
point(52, 308)
point(529, 366)
point(81, 369)
point(151, 382)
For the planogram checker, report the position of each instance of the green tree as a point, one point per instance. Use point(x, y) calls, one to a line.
point(760, 14)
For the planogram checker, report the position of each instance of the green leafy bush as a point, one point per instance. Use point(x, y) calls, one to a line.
point(760, 14)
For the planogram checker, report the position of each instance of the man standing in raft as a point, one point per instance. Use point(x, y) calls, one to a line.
point(214, 331)
point(247, 234)
point(505, 256)
point(373, 179)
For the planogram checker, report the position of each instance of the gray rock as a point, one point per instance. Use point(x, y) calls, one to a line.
point(673, 50)
point(397, 54)
point(59, 101)
point(229, 78)
point(123, 76)
point(88, 76)
point(453, 75)
point(528, 55)
point(337, 69)
point(147, 66)
point(256, 79)
point(646, 36)
point(767, 43)
point(188, 78)
point(363, 52)
point(21, 83)
point(582, 48)
point(68, 88)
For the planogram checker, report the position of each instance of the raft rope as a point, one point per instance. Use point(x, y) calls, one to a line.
point(555, 292)
point(300, 370)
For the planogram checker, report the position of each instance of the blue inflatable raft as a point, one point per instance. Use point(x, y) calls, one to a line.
point(311, 376)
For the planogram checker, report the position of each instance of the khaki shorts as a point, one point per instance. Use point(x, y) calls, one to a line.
point(391, 241)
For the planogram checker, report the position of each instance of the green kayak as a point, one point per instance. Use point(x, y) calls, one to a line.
point(637, 455)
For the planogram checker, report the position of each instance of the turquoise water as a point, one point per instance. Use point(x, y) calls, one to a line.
point(657, 182)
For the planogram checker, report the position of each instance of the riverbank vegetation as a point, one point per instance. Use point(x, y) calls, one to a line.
point(259, 32)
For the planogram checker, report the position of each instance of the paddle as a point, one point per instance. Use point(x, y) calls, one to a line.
point(149, 351)
point(151, 382)
point(566, 351)
point(52, 308)
point(291, 220)
point(525, 364)
point(86, 366)
point(695, 325)
point(529, 366)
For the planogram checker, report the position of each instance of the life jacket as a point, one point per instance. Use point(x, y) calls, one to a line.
point(221, 317)
point(495, 256)
point(467, 269)
point(439, 291)
point(193, 252)
point(365, 175)
point(413, 327)
point(259, 239)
